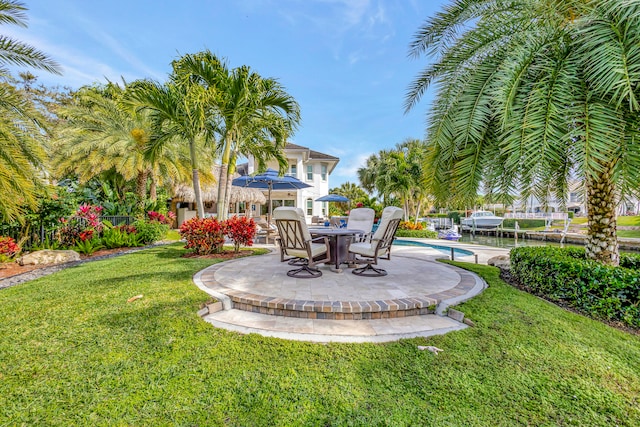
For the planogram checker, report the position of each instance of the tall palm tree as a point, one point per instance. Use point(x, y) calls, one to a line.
point(21, 125)
point(100, 133)
point(533, 93)
point(255, 115)
point(178, 115)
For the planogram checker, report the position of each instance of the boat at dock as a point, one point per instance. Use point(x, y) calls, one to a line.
point(481, 219)
point(450, 234)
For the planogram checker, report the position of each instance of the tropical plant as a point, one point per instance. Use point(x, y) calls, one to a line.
point(8, 248)
point(241, 231)
point(203, 235)
point(254, 116)
point(21, 125)
point(119, 236)
point(148, 232)
point(532, 93)
point(88, 246)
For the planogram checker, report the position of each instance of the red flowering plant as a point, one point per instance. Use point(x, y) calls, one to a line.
point(241, 231)
point(8, 248)
point(203, 235)
point(82, 226)
point(161, 218)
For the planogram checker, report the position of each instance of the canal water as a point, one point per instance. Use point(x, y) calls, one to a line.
point(509, 242)
point(506, 242)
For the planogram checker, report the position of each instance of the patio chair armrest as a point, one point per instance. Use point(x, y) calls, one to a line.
point(324, 239)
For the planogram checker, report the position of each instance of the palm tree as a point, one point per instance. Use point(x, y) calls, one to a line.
point(21, 125)
point(255, 115)
point(178, 116)
point(16, 52)
point(531, 94)
point(397, 173)
point(21, 153)
point(100, 133)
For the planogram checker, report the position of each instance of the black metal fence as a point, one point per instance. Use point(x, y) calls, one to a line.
point(34, 234)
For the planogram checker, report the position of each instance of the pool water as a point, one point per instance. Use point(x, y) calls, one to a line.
point(444, 249)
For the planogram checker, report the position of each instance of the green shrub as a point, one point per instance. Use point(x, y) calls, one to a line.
point(523, 223)
point(417, 234)
point(89, 246)
point(455, 216)
point(566, 276)
point(149, 232)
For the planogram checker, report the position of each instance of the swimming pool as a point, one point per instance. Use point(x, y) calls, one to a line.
point(444, 249)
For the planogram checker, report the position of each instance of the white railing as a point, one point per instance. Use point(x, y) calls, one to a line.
point(563, 216)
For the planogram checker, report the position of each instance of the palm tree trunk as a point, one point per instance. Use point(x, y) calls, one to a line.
point(222, 181)
point(196, 178)
point(602, 240)
point(230, 171)
point(222, 192)
point(415, 222)
point(153, 188)
point(141, 188)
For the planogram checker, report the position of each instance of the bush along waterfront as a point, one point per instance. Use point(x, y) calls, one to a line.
point(567, 277)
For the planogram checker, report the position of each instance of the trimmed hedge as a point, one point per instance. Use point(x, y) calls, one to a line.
point(566, 276)
point(523, 223)
point(428, 234)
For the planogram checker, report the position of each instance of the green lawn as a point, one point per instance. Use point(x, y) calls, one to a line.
point(621, 220)
point(74, 352)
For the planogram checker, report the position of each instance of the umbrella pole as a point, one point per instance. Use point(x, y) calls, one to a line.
point(270, 204)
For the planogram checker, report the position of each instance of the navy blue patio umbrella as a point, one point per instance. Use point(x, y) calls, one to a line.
point(333, 198)
point(269, 180)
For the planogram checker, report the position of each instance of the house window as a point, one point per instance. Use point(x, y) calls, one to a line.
point(324, 209)
point(323, 172)
point(309, 172)
point(276, 203)
point(293, 169)
point(309, 206)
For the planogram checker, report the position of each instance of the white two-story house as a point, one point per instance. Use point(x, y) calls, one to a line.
point(309, 166)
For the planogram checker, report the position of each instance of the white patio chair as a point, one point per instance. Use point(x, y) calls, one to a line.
point(380, 244)
point(296, 242)
point(361, 219)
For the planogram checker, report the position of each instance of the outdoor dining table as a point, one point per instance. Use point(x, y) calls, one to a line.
point(338, 242)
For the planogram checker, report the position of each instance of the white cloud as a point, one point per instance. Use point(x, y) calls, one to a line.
point(348, 166)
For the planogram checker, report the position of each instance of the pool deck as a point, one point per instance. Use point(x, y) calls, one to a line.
point(411, 301)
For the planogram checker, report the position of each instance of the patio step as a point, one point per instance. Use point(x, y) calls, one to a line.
point(333, 310)
point(322, 330)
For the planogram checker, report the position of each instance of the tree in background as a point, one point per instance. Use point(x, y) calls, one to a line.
point(531, 94)
point(396, 174)
point(100, 133)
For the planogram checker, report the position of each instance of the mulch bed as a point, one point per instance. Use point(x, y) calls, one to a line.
point(10, 269)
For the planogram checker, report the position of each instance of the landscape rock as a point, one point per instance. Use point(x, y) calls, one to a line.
point(501, 261)
point(49, 257)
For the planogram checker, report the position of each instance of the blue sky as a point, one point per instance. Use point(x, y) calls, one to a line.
point(345, 61)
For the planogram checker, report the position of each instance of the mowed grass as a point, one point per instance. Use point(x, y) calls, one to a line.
point(74, 352)
point(621, 220)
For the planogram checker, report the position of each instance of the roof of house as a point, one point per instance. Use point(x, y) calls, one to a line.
point(312, 153)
